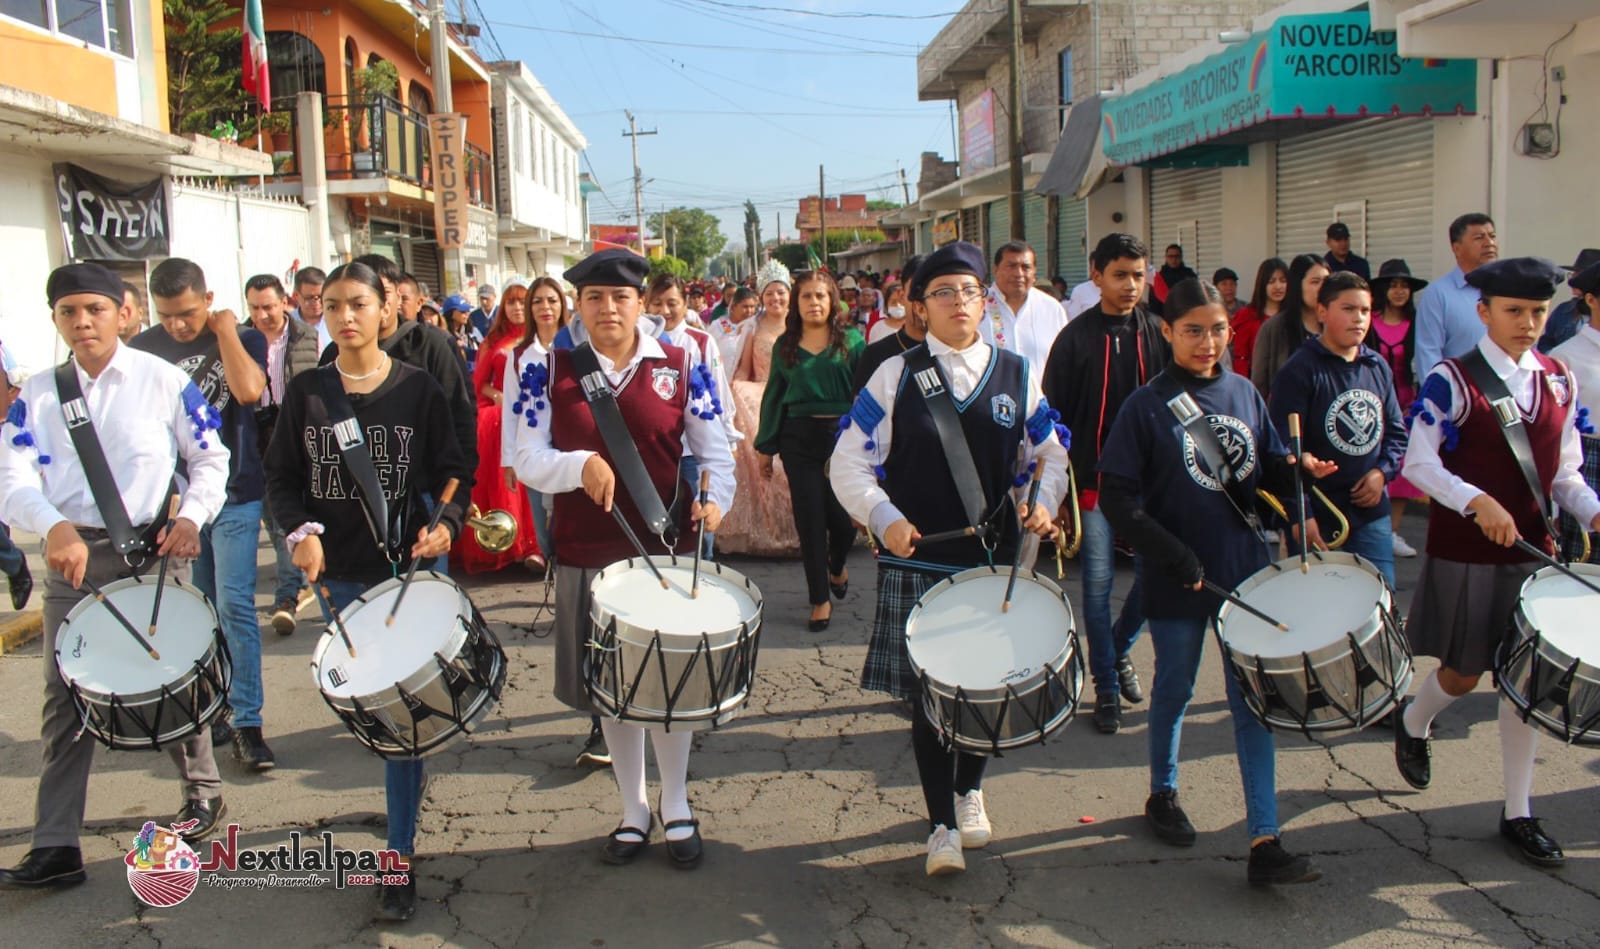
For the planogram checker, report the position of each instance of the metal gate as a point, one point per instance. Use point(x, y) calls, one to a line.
point(1072, 240)
point(1186, 209)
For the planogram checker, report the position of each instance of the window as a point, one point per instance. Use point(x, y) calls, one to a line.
point(294, 65)
point(1066, 84)
point(533, 146)
point(349, 65)
point(419, 98)
point(106, 24)
point(519, 138)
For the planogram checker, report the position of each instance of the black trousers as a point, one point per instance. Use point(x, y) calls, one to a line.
point(826, 533)
point(944, 771)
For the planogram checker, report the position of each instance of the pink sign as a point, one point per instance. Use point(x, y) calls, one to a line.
point(977, 133)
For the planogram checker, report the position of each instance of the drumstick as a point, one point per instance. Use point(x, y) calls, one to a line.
point(100, 598)
point(1227, 594)
point(1550, 561)
point(322, 598)
point(411, 571)
point(1016, 561)
point(161, 574)
point(633, 538)
point(1299, 489)
point(699, 537)
point(947, 535)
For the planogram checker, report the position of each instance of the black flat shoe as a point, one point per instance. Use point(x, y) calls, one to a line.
point(221, 731)
point(398, 901)
point(1412, 756)
point(1128, 681)
point(619, 852)
point(22, 587)
point(1108, 714)
point(1531, 843)
point(45, 868)
point(205, 813)
point(685, 853)
point(839, 589)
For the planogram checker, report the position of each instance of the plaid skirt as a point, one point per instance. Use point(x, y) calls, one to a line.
point(888, 665)
point(1461, 612)
point(1572, 533)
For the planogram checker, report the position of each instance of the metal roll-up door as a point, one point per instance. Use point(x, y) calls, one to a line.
point(1376, 176)
point(1072, 256)
point(422, 261)
point(999, 229)
point(924, 237)
point(1033, 224)
point(1186, 209)
point(972, 225)
point(384, 239)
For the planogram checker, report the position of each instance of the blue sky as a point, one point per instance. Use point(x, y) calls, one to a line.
point(747, 96)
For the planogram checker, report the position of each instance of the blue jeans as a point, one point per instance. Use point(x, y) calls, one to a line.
point(11, 558)
point(541, 524)
point(225, 572)
point(1179, 644)
point(1374, 542)
point(288, 578)
point(1108, 644)
point(402, 777)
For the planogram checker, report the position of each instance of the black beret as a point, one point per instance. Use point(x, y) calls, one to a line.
point(83, 278)
point(1525, 278)
point(1586, 280)
point(959, 257)
point(609, 268)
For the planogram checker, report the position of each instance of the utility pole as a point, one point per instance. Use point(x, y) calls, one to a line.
point(633, 133)
point(822, 219)
point(1014, 199)
point(905, 188)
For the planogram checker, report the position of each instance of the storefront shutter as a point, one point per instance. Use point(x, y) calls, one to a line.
point(1033, 220)
point(972, 225)
point(999, 230)
point(1072, 256)
point(1186, 209)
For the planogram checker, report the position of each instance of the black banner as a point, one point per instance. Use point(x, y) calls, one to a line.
point(109, 220)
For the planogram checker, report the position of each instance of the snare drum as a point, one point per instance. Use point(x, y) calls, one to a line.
point(412, 687)
point(657, 657)
point(128, 700)
point(994, 681)
point(1551, 670)
point(1343, 664)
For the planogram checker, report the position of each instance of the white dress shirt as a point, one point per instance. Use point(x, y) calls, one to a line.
point(1030, 331)
point(276, 350)
point(547, 469)
point(1083, 296)
point(729, 337)
point(1425, 469)
point(137, 408)
point(851, 473)
point(1581, 353)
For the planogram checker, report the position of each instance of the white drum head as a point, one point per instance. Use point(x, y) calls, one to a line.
point(1564, 610)
point(97, 655)
point(1334, 599)
point(957, 635)
point(631, 593)
point(429, 622)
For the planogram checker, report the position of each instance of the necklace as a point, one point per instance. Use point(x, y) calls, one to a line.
point(353, 377)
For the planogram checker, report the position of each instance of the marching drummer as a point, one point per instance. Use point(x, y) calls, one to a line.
point(1478, 474)
point(890, 471)
point(1192, 522)
point(564, 448)
point(399, 419)
point(1346, 394)
point(143, 417)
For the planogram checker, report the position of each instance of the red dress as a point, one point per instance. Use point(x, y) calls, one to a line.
point(490, 492)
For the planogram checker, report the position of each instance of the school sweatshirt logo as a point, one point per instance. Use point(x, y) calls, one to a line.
point(1354, 423)
point(1237, 442)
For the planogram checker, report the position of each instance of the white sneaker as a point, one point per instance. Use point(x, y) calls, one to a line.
point(944, 852)
point(972, 820)
point(1401, 548)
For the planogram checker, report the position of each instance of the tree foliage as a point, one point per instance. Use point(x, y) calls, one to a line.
point(668, 264)
point(203, 74)
point(692, 234)
point(846, 238)
point(876, 205)
point(792, 255)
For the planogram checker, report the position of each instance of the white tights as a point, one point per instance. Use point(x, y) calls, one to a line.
point(1518, 741)
point(626, 744)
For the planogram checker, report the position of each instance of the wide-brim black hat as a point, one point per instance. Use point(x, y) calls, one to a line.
point(1396, 269)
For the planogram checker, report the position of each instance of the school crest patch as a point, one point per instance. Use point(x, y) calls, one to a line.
point(1237, 442)
point(1004, 409)
point(1354, 423)
point(665, 383)
point(1559, 388)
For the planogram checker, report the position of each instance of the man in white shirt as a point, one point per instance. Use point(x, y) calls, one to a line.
point(1084, 296)
point(147, 416)
point(1017, 315)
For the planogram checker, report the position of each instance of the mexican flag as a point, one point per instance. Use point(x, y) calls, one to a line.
point(256, 79)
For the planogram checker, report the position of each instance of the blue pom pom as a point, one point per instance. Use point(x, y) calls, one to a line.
point(878, 471)
point(870, 445)
point(1033, 466)
point(44, 459)
point(1019, 481)
point(844, 423)
point(203, 444)
point(1452, 435)
point(539, 405)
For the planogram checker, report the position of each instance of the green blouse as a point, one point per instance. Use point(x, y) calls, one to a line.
point(814, 385)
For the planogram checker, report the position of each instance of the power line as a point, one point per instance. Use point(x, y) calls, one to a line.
point(847, 51)
point(781, 29)
point(837, 16)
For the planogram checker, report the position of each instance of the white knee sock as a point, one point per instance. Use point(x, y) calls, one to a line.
point(626, 744)
point(672, 761)
point(1518, 744)
point(1430, 700)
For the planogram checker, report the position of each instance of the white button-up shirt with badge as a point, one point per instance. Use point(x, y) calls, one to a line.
point(1029, 331)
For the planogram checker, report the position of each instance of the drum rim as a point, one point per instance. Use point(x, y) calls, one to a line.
point(480, 705)
point(410, 683)
point(1328, 652)
point(600, 616)
point(1056, 663)
point(1525, 622)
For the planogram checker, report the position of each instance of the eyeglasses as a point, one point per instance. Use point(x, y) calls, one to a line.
point(964, 294)
point(1194, 334)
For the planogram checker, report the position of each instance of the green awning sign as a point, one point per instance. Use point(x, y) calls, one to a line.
point(1318, 66)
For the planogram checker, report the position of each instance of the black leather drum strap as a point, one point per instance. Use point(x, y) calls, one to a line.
point(935, 391)
point(102, 485)
point(357, 458)
point(1516, 434)
point(619, 442)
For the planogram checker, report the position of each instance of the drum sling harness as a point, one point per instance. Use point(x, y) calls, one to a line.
point(1209, 445)
point(358, 459)
point(936, 394)
point(125, 539)
point(1516, 434)
point(620, 446)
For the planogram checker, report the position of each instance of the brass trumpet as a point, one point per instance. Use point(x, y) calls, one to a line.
point(1317, 496)
point(495, 531)
point(1069, 525)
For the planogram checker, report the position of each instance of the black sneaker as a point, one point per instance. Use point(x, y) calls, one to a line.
point(1531, 843)
point(221, 731)
point(251, 750)
point(1168, 820)
point(594, 750)
point(1413, 756)
point(1270, 865)
point(398, 901)
point(1128, 681)
point(1108, 714)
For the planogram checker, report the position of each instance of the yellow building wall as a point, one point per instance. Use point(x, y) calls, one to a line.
point(41, 63)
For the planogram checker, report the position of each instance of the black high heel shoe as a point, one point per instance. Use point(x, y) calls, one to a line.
point(818, 625)
point(839, 589)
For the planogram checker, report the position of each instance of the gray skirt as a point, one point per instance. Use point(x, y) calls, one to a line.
point(1462, 612)
point(571, 633)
